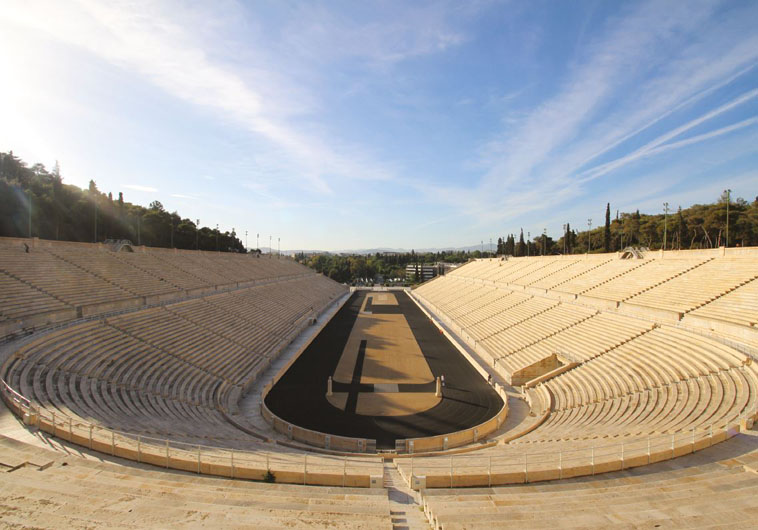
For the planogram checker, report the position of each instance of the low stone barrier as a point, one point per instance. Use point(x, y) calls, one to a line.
point(315, 438)
point(107, 307)
point(253, 465)
point(38, 320)
point(520, 468)
point(654, 314)
point(443, 442)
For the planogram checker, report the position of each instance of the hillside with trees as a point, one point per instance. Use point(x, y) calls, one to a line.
point(697, 227)
point(36, 202)
point(357, 267)
point(65, 212)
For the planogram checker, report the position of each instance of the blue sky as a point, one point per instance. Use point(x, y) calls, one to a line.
point(336, 125)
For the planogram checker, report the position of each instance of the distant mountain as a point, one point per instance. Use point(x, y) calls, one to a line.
point(366, 251)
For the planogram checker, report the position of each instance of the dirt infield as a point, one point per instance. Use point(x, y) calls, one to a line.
point(384, 355)
point(382, 351)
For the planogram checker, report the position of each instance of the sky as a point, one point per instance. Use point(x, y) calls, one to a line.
point(345, 125)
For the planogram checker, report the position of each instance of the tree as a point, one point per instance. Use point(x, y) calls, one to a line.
point(120, 221)
point(57, 181)
point(510, 245)
point(607, 231)
point(521, 248)
point(631, 228)
point(681, 229)
point(66, 212)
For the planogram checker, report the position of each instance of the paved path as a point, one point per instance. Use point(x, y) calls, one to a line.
point(250, 405)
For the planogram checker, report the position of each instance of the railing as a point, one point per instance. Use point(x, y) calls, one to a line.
point(311, 437)
point(454, 471)
point(522, 467)
point(276, 466)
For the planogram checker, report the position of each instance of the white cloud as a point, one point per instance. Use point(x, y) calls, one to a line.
point(163, 42)
point(657, 145)
point(382, 38)
point(655, 62)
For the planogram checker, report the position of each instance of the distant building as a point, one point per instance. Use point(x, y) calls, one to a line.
point(444, 267)
point(427, 271)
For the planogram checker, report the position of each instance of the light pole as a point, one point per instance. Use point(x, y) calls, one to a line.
point(269, 247)
point(490, 247)
point(197, 235)
point(589, 235)
point(544, 241)
point(665, 223)
point(216, 237)
point(278, 247)
point(245, 241)
point(728, 193)
point(257, 242)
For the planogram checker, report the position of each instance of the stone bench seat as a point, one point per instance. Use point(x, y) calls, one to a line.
point(567, 274)
point(640, 279)
point(106, 265)
point(551, 268)
point(18, 299)
point(699, 285)
point(531, 331)
point(739, 306)
point(164, 371)
point(511, 272)
point(583, 341)
point(473, 312)
point(598, 276)
point(503, 301)
point(82, 493)
point(163, 270)
point(514, 315)
point(665, 498)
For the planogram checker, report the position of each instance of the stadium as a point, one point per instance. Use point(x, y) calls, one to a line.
point(378, 265)
point(163, 387)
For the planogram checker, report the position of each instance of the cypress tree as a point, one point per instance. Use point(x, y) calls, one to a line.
point(607, 232)
point(122, 233)
point(510, 248)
